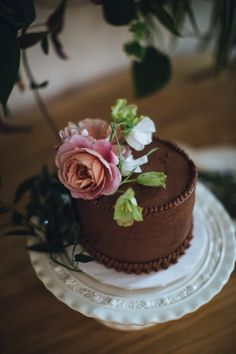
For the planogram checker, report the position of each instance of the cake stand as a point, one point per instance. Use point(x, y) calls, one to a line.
point(125, 309)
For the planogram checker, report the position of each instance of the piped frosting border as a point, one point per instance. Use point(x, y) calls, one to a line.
point(140, 267)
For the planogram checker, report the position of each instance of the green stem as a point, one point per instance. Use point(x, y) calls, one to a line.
point(151, 151)
point(63, 264)
point(112, 131)
point(128, 181)
point(118, 148)
point(119, 191)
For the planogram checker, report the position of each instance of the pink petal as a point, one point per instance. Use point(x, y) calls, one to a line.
point(97, 154)
point(103, 147)
point(81, 141)
point(112, 181)
point(97, 128)
point(86, 159)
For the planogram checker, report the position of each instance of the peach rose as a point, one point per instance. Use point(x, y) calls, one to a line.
point(94, 127)
point(88, 167)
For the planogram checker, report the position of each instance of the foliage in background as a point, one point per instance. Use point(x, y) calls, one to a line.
point(145, 19)
point(223, 185)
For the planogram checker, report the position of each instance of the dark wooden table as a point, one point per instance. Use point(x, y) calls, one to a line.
point(197, 112)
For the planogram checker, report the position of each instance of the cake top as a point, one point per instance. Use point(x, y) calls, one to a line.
point(181, 178)
point(116, 165)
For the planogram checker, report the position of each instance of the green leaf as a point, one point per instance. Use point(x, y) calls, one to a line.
point(164, 17)
point(57, 45)
point(19, 232)
point(153, 73)
point(137, 214)
point(18, 14)
point(44, 45)
point(139, 29)
point(41, 85)
point(152, 179)
point(28, 40)
point(9, 61)
point(226, 38)
point(55, 21)
point(134, 50)
point(119, 12)
point(191, 15)
point(178, 12)
point(45, 247)
point(83, 258)
point(24, 187)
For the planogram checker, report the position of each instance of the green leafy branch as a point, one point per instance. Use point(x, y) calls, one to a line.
point(49, 216)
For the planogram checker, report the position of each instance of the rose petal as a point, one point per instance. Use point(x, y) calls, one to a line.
point(98, 171)
point(103, 147)
point(113, 181)
point(96, 128)
point(85, 159)
point(81, 141)
point(95, 153)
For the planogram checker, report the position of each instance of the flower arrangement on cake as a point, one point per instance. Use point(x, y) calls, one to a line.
point(95, 159)
point(122, 194)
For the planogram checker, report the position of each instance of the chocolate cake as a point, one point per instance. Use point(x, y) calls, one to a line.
point(166, 230)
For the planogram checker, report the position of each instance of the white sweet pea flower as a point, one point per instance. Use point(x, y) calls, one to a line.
point(129, 164)
point(141, 134)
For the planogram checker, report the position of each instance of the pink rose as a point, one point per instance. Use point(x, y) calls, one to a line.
point(88, 167)
point(96, 128)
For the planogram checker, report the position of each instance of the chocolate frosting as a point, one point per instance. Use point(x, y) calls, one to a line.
point(167, 223)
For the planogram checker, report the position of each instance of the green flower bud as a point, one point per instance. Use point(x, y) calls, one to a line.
point(124, 115)
point(127, 210)
point(152, 179)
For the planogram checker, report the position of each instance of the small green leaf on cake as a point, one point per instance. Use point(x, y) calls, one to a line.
point(152, 179)
point(126, 209)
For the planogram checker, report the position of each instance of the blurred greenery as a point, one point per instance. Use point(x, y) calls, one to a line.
point(223, 185)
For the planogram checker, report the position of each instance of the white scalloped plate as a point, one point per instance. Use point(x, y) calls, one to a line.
point(137, 309)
